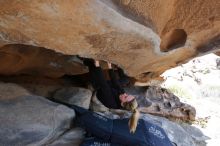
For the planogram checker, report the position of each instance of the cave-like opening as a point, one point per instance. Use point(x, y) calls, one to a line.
point(173, 39)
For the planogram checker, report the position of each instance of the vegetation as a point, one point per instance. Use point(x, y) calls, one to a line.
point(179, 91)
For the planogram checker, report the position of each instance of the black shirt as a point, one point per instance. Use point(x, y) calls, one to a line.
point(107, 91)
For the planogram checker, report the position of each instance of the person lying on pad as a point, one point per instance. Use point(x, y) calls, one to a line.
point(110, 93)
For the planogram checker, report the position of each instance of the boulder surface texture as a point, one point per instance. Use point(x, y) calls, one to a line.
point(145, 38)
point(30, 120)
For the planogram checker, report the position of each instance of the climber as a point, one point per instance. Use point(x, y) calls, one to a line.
point(110, 93)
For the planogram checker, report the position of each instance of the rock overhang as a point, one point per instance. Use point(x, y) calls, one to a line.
point(127, 33)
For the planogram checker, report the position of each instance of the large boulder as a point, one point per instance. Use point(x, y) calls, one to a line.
point(74, 137)
point(159, 101)
point(38, 61)
point(29, 119)
point(179, 133)
point(96, 105)
point(156, 101)
point(10, 91)
point(74, 96)
point(37, 85)
point(145, 38)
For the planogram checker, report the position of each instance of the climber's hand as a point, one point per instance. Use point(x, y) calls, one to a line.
point(97, 64)
point(109, 65)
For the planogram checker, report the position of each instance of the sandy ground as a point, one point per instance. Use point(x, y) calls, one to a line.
point(198, 84)
point(208, 107)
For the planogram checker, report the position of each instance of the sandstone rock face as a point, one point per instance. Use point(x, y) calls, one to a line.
point(127, 33)
point(37, 61)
